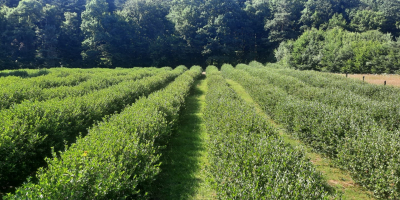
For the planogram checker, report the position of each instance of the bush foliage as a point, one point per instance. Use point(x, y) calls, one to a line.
point(31, 128)
point(338, 50)
point(119, 157)
point(248, 159)
point(359, 133)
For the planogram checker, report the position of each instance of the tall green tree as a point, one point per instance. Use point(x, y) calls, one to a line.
point(95, 43)
point(307, 50)
point(391, 12)
point(3, 39)
point(337, 21)
point(188, 17)
point(70, 38)
point(283, 23)
point(223, 32)
point(47, 35)
point(20, 34)
point(149, 32)
point(319, 12)
point(338, 50)
point(365, 20)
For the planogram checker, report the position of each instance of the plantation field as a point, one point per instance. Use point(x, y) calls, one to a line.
point(378, 79)
point(244, 132)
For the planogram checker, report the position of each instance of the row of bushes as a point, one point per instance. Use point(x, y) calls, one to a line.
point(321, 125)
point(248, 160)
point(328, 80)
point(26, 73)
point(119, 157)
point(385, 113)
point(29, 129)
point(16, 89)
point(53, 77)
point(96, 82)
point(350, 136)
point(59, 77)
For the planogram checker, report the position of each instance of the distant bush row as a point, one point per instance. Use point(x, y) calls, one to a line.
point(15, 90)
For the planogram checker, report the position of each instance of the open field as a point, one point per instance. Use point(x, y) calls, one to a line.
point(244, 132)
point(378, 79)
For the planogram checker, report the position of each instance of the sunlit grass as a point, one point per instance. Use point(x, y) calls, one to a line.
point(184, 174)
point(378, 79)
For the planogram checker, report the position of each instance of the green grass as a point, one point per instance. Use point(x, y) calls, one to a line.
point(336, 178)
point(184, 161)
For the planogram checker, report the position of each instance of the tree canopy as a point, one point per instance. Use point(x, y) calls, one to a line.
point(126, 33)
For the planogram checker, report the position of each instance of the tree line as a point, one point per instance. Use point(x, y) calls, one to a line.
point(339, 50)
point(126, 33)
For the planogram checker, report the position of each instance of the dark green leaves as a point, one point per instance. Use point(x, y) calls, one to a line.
point(119, 157)
point(248, 159)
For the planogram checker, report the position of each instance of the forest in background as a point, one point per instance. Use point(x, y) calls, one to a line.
point(303, 34)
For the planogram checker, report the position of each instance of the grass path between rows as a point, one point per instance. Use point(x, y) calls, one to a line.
point(337, 178)
point(184, 161)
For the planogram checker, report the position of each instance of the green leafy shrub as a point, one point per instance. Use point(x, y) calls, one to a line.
point(119, 157)
point(382, 112)
point(333, 81)
point(97, 82)
point(338, 50)
point(30, 129)
point(15, 91)
point(248, 160)
point(350, 132)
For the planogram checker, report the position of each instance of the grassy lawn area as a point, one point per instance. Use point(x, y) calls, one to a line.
point(184, 162)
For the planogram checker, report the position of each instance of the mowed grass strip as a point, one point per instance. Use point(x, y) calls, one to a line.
point(184, 162)
point(335, 177)
point(378, 79)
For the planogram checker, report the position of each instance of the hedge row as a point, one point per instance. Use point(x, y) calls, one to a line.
point(26, 73)
point(16, 89)
point(29, 129)
point(351, 137)
point(50, 78)
point(385, 113)
point(119, 157)
point(248, 160)
point(97, 82)
point(327, 80)
point(60, 77)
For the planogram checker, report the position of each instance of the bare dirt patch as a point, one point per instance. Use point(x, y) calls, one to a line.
point(345, 184)
point(316, 160)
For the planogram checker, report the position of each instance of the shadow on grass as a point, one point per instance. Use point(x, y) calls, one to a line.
point(182, 159)
point(23, 73)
